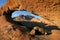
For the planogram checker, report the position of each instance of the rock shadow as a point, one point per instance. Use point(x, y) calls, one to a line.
point(50, 28)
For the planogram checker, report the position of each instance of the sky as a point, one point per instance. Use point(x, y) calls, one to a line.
point(2, 2)
point(16, 13)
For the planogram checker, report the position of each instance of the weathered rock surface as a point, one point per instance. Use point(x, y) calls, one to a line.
point(42, 20)
point(8, 33)
point(49, 9)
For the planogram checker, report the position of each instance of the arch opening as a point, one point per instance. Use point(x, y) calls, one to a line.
point(17, 13)
point(23, 15)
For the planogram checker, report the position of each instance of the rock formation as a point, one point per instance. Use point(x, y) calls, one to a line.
point(38, 22)
point(48, 9)
point(23, 17)
point(32, 19)
point(42, 20)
